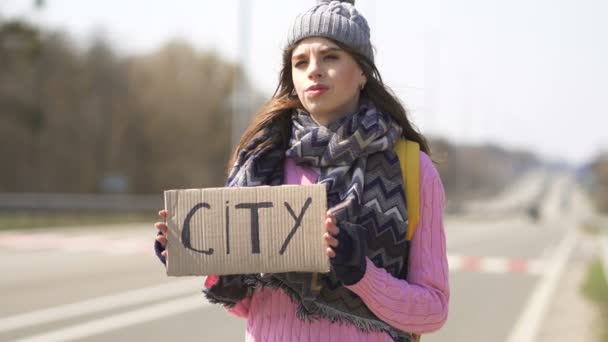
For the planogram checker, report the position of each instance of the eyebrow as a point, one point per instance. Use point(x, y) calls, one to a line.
point(323, 50)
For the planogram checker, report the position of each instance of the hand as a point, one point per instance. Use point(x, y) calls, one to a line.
point(161, 238)
point(346, 249)
point(332, 230)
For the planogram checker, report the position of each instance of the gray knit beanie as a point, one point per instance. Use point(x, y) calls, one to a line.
point(337, 20)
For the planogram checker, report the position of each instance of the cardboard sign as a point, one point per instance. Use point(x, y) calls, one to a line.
point(246, 230)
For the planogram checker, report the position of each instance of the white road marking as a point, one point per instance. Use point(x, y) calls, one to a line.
point(113, 301)
point(526, 328)
point(120, 321)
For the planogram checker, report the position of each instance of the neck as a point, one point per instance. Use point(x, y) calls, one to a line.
point(327, 118)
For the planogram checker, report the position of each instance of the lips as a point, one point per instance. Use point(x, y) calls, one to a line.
point(316, 89)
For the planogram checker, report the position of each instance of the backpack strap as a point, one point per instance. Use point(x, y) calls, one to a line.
point(409, 158)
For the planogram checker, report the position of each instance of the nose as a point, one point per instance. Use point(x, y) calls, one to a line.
point(314, 70)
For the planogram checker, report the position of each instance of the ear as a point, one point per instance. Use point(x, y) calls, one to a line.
point(363, 79)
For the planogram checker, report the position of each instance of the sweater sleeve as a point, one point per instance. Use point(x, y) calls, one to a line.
point(420, 303)
point(241, 309)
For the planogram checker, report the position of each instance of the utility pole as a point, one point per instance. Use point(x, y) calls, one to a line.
point(39, 112)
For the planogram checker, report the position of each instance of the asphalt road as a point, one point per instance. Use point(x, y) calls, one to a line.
point(104, 284)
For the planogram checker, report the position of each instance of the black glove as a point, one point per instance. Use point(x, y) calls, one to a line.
point(229, 290)
point(349, 264)
point(158, 248)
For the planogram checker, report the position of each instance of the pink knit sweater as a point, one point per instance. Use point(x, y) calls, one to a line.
point(418, 305)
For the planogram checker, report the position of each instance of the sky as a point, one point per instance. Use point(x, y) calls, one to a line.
point(524, 74)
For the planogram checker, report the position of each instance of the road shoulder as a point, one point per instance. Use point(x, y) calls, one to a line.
point(570, 316)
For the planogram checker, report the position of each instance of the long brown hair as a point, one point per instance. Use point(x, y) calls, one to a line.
point(277, 110)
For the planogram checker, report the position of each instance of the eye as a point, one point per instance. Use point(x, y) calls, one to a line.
point(331, 57)
point(299, 64)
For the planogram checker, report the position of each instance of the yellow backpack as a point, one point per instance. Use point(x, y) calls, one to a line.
point(409, 158)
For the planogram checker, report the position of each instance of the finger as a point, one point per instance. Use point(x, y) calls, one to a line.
point(331, 216)
point(331, 227)
point(330, 252)
point(162, 239)
point(331, 241)
point(162, 227)
point(164, 253)
point(163, 214)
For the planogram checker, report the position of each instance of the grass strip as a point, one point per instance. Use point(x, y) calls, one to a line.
point(595, 288)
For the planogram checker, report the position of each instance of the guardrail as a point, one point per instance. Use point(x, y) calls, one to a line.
point(101, 202)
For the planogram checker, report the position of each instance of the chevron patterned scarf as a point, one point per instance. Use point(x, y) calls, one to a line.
point(356, 162)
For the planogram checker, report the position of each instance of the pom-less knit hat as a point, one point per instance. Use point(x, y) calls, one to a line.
point(337, 20)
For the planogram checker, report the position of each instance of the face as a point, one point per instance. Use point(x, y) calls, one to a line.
point(326, 78)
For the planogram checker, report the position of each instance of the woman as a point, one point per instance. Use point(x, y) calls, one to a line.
point(332, 121)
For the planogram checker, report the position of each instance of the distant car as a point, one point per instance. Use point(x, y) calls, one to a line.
point(533, 212)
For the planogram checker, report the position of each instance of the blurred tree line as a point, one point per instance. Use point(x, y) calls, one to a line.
point(478, 171)
point(81, 120)
point(72, 119)
point(596, 174)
